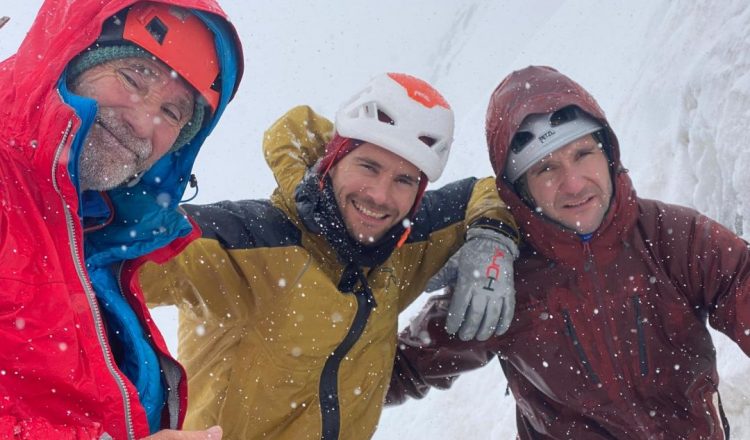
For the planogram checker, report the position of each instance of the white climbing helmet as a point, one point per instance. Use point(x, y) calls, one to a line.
point(403, 115)
point(542, 134)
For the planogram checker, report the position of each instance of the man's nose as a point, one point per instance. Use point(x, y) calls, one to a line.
point(380, 191)
point(141, 122)
point(573, 181)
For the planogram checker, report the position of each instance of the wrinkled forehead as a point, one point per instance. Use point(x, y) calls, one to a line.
point(585, 142)
point(154, 72)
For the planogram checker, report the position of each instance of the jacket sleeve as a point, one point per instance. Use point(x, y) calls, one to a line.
point(440, 227)
point(721, 272)
point(40, 428)
point(293, 144)
point(709, 263)
point(196, 281)
point(427, 356)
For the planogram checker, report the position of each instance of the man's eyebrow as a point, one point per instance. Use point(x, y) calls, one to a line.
point(144, 69)
point(411, 178)
point(184, 103)
point(369, 161)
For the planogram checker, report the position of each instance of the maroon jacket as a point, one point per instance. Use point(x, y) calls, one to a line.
point(609, 338)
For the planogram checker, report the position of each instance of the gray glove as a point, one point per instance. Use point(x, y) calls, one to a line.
point(480, 274)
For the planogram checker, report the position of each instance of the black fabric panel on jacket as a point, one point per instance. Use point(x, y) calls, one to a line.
point(447, 205)
point(245, 224)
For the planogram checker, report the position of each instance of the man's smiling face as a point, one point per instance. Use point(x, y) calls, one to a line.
point(375, 189)
point(143, 106)
point(573, 185)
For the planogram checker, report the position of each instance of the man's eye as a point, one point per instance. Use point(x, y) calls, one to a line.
point(129, 77)
point(406, 181)
point(172, 114)
point(582, 154)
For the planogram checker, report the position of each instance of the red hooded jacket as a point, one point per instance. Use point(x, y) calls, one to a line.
point(58, 376)
point(609, 337)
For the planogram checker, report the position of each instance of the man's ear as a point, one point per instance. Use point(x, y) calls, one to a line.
point(522, 189)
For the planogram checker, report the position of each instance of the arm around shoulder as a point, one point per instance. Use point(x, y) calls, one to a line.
point(428, 357)
point(486, 209)
point(294, 143)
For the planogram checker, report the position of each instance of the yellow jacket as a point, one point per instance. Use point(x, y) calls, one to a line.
point(264, 331)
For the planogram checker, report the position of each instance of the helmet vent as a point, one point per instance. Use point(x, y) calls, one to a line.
point(427, 140)
point(565, 114)
point(157, 29)
point(383, 117)
point(520, 141)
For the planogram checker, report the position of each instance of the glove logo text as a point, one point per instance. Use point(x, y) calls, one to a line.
point(493, 269)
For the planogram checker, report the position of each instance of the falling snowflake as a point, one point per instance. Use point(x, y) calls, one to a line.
point(164, 199)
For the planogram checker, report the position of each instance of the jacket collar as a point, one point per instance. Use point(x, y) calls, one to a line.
point(320, 214)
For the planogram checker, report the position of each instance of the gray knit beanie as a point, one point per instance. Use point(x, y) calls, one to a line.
point(96, 55)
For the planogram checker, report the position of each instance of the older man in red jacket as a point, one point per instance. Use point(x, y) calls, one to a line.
point(104, 109)
point(609, 338)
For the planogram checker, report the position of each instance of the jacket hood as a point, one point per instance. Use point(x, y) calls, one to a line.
point(34, 84)
point(540, 89)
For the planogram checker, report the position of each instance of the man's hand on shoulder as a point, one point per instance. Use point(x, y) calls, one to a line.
point(481, 277)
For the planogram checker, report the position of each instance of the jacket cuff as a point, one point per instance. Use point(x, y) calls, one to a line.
point(498, 226)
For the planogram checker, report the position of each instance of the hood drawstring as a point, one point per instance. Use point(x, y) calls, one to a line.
point(193, 184)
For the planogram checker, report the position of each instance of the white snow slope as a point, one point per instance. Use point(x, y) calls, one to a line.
point(673, 77)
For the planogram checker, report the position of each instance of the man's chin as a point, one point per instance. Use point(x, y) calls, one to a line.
point(102, 184)
point(365, 238)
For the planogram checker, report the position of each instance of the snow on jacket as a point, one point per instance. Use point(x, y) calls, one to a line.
point(272, 347)
point(609, 337)
point(58, 376)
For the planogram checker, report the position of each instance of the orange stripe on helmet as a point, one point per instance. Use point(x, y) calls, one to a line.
point(420, 91)
point(180, 40)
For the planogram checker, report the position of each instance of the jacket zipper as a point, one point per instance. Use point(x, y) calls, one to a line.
point(90, 295)
point(625, 391)
point(642, 356)
point(571, 332)
point(590, 267)
point(173, 392)
point(328, 393)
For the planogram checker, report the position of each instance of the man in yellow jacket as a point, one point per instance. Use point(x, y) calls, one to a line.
point(289, 306)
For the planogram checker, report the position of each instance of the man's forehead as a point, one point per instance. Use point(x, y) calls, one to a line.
point(148, 66)
point(383, 156)
point(155, 70)
point(587, 141)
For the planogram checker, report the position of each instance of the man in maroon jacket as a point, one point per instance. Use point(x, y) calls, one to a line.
point(609, 338)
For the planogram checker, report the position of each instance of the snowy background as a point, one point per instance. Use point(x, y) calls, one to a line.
point(673, 77)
